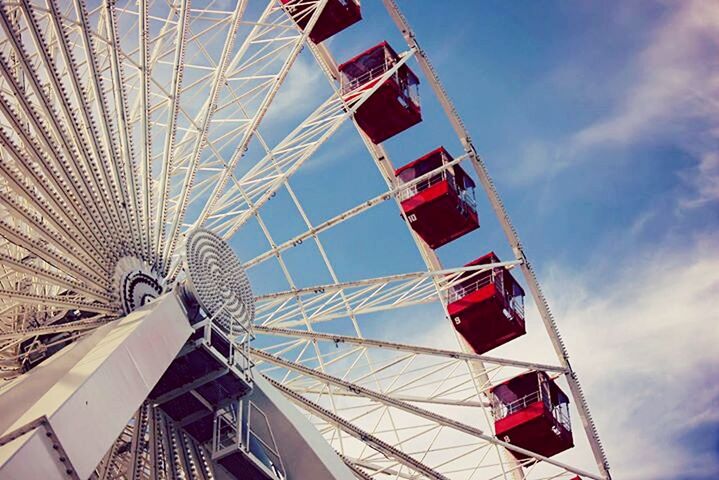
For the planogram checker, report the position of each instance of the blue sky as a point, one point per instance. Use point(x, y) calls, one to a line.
point(600, 124)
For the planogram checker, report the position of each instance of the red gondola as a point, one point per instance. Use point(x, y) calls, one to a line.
point(394, 106)
point(442, 207)
point(487, 308)
point(532, 412)
point(336, 16)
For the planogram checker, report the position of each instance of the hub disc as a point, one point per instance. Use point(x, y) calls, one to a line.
point(218, 282)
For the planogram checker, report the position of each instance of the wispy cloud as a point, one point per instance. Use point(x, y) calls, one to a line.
point(671, 99)
point(703, 180)
point(642, 335)
point(302, 91)
point(677, 81)
point(644, 341)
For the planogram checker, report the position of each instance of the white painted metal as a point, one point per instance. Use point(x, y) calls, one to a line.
point(218, 282)
point(111, 370)
point(364, 392)
point(404, 348)
point(361, 208)
point(364, 436)
point(304, 452)
point(322, 303)
point(34, 452)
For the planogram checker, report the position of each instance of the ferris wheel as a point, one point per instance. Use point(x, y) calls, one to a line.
point(171, 308)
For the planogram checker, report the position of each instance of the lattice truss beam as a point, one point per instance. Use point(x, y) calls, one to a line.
point(422, 402)
point(152, 447)
point(326, 302)
point(88, 94)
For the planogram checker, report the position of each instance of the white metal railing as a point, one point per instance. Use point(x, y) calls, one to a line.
point(347, 85)
point(239, 342)
point(226, 428)
point(561, 416)
point(466, 195)
point(260, 441)
point(514, 302)
point(501, 410)
point(560, 413)
point(239, 352)
point(465, 288)
point(498, 277)
point(303, 9)
point(421, 186)
point(242, 425)
point(410, 90)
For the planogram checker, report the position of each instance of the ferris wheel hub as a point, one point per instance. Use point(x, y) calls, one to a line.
point(136, 283)
point(217, 280)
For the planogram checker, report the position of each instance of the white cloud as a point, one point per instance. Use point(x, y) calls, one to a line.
point(704, 181)
point(642, 334)
point(678, 80)
point(644, 341)
point(676, 98)
point(673, 98)
point(302, 90)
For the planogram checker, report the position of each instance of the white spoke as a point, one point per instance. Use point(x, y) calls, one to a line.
point(404, 348)
point(344, 216)
point(268, 175)
point(208, 110)
point(426, 414)
point(327, 302)
point(374, 442)
point(172, 114)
